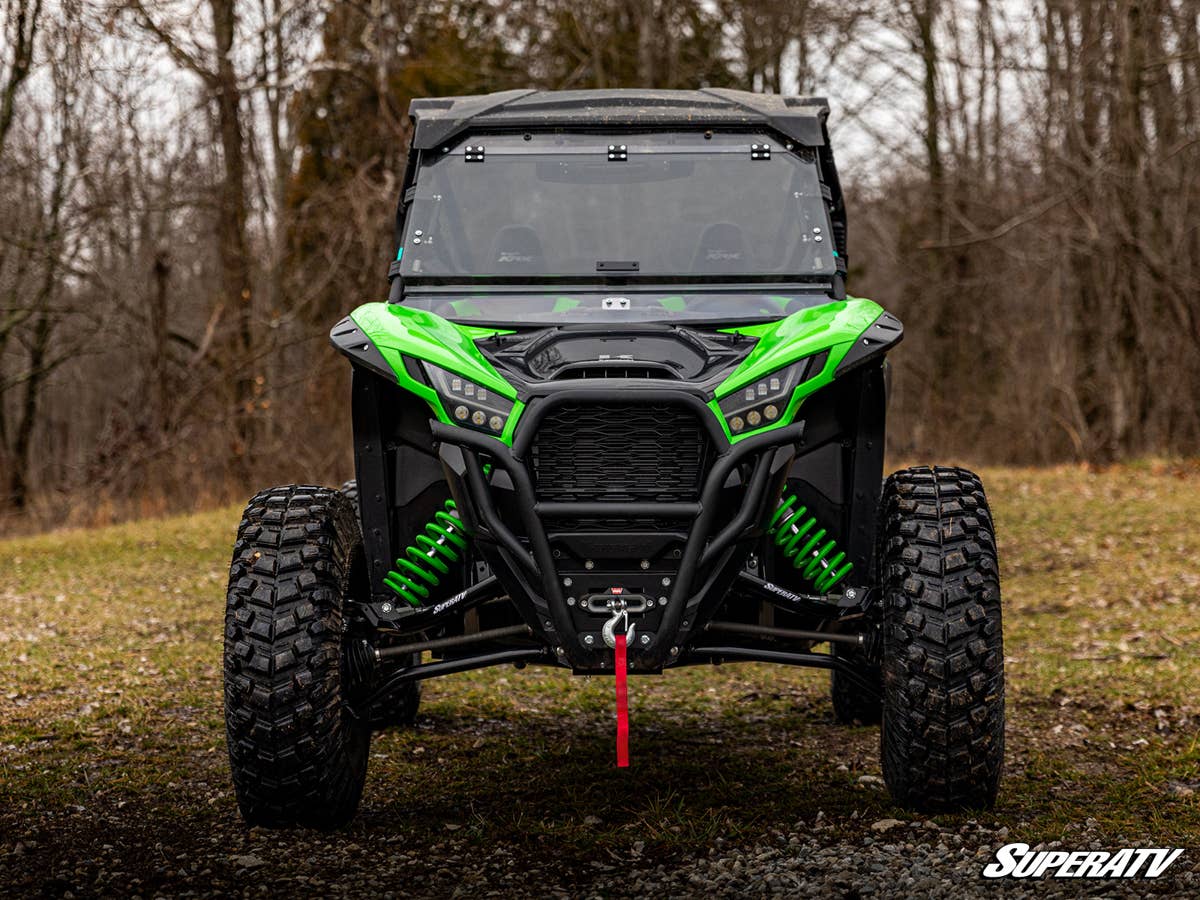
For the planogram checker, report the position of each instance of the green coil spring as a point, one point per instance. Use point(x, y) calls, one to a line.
point(429, 557)
point(792, 531)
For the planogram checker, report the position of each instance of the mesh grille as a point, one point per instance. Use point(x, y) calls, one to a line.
point(615, 452)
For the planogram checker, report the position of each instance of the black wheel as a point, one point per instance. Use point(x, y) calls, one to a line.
point(350, 490)
point(297, 751)
point(943, 656)
point(851, 704)
point(402, 710)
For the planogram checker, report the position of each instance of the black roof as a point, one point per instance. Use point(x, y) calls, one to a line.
point(440, 119)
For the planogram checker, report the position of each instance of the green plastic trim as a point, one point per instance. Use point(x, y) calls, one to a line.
point(511, 427)
point(832, 326)
point(400, 331)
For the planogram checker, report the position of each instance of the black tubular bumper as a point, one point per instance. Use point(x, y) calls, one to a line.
point(520, 551)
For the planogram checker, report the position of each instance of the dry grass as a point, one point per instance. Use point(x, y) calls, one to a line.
point(111, 731)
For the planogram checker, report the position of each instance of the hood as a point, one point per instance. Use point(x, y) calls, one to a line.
point(713, 363)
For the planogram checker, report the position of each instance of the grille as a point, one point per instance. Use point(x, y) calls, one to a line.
point(621, 371)
point(617, 452)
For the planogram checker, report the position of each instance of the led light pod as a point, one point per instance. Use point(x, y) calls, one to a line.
point(471, 405)
point(764, 402)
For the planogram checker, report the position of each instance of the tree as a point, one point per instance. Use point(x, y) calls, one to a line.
point(214, 66)
point(21, 21)
point(40, 242)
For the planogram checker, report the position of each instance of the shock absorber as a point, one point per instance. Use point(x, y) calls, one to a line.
point(421, 567)
point(822, 564)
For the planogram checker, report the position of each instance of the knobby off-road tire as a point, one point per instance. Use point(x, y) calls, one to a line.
point(297, 751)
point(943, 710)
point(402, 709)
point(350, 490)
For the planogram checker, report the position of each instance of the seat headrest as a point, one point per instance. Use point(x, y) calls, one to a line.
point(517, 249)
point(722, 247)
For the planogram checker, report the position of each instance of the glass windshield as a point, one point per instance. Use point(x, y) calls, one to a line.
point(661, 204)
point(599, 307)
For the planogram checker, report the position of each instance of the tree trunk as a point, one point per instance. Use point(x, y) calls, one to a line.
point(1127, 391)
point(925, 17)
point(236, 288)
point(18, 485)
point(648, 42)
point(158, 392)
point(26, 27)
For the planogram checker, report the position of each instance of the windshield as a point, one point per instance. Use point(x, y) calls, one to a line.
point(662, 204)
point(599, 307)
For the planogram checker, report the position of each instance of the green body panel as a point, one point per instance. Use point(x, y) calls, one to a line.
point(398, 331)
point(513, 419)
point(832, 326)
point(801, 334)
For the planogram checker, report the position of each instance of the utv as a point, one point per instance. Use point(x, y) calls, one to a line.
point(617, 400)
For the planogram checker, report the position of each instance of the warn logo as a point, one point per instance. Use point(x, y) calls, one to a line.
point(1016, 861)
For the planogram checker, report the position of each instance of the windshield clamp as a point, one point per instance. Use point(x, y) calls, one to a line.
point(617, 153)
point(473, 154)
point(757, 151)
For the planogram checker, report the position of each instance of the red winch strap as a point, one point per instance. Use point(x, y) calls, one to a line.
point(622, 705)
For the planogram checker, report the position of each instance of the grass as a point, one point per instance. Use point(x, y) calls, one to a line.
point(111, 729)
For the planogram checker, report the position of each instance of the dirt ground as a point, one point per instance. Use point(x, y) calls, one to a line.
point(113, 775)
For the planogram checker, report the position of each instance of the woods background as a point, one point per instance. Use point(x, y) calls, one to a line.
point(192, 193)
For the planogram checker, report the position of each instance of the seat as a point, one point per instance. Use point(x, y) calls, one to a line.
point(722, 248)
point(517, 250)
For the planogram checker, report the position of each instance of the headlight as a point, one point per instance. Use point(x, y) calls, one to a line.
point(469, 404)
point(763, 402)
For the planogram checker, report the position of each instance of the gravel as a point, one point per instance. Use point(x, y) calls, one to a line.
point(888, 858)
point(915, 860)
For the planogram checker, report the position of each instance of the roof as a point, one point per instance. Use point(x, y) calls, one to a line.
point(437, 120)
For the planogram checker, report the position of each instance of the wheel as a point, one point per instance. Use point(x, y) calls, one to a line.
point(350, 490)
point(851, 704)
point(942, 740)
point(403, 710)
point(297, 751)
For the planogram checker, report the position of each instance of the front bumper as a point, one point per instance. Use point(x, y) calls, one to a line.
point(515, 530)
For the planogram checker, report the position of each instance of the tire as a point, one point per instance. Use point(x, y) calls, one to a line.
point(942, 741)
point(403, 710)
point(297, 752)
point(350, 490)
point(851, 705)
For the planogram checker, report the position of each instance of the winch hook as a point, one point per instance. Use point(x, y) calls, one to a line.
point(610, 628)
